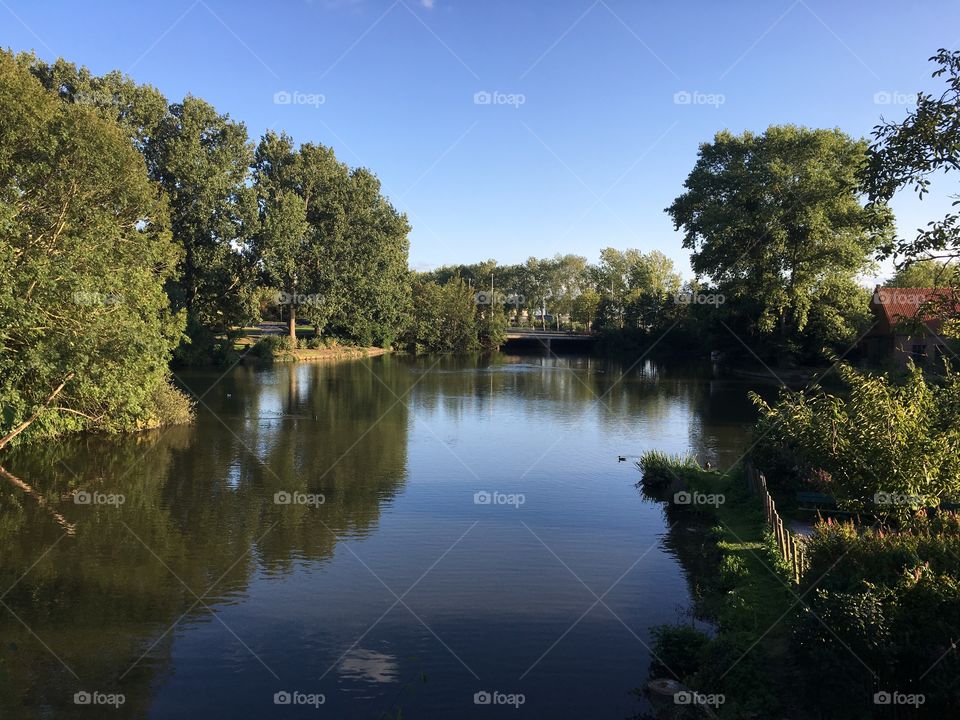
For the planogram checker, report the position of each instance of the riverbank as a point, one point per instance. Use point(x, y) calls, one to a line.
point(741, 587)
point(272, 347)
point(328, 354)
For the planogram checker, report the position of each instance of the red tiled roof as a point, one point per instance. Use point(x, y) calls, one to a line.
point(897, 304)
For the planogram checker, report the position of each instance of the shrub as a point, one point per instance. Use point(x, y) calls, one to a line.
point(677, 649)
point(168, 406)
point(883, 437)
point(660, 469)
point(270, 346)
point(886, 600)
point(313, 343)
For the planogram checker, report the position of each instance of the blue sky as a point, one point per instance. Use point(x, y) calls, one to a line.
point(584, 140)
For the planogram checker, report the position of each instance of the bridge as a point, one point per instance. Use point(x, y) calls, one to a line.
point(546, 338)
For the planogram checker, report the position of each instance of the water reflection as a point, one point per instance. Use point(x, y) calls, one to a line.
point(199, 594)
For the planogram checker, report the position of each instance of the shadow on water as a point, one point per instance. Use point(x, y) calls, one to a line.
point(197, 519)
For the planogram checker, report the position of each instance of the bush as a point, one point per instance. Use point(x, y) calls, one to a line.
point(168, 406)
point(313, 343)
point(677, 649)
point(660, 469)
point(886, 600)
point(883, 437)
point(269, 347)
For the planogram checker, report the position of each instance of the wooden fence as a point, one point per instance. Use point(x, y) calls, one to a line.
point(790, 548)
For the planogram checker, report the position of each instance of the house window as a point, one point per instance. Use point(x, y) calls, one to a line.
point(920, 352)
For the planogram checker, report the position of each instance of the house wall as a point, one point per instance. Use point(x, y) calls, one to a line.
point(923, 350)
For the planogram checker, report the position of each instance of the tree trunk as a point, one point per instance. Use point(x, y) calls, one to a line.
point(293, 326)
point(29, 421)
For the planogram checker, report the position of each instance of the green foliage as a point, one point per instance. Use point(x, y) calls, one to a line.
point(924, 274)
point(659, 468)
point(445, 318)
point(906, 154)
point(899, 439)
point(892, 600)
point(491, 327)
point(272, 347)
point(86, 250)
point(775, 220)
point(739, 587)
point(293, 219)
point(677, 650)
point(201, 158)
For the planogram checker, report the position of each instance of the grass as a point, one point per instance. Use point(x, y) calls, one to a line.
point(660, 469)
point(742, 587)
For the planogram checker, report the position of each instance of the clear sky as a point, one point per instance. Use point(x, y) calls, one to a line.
point(582, 139)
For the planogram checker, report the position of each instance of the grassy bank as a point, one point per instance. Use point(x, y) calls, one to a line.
point(277, 348)
point(742, 589)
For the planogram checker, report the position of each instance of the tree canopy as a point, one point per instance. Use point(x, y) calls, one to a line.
point(776, 218)
point(86, 331)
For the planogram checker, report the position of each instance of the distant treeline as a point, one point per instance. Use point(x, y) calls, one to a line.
point(135, 232)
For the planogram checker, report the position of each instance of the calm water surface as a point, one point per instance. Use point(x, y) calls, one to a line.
point(202, 596)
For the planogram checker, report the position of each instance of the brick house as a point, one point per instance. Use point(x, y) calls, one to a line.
point(898, 336)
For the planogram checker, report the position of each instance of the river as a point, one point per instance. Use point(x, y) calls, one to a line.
point(385, 537)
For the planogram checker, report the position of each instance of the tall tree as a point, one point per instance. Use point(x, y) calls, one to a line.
point(282, 242)
point(202, 160)
point(772, 218)
point(85, 328)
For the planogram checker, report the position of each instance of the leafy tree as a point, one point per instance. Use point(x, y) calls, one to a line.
point(635, 287)
point(202, 159)
point(444, 318)
point(584, 307)
point(537, 282)
point(774, 218)
point(924, 274)
point(376, 293)
point(908, 153)
point(137, 109)
point(85, 328)
point(491, 326)
point(614, 275)
point(901, 440)
point(283, 242)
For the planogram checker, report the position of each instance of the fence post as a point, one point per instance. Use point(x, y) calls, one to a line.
point(789, 548)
